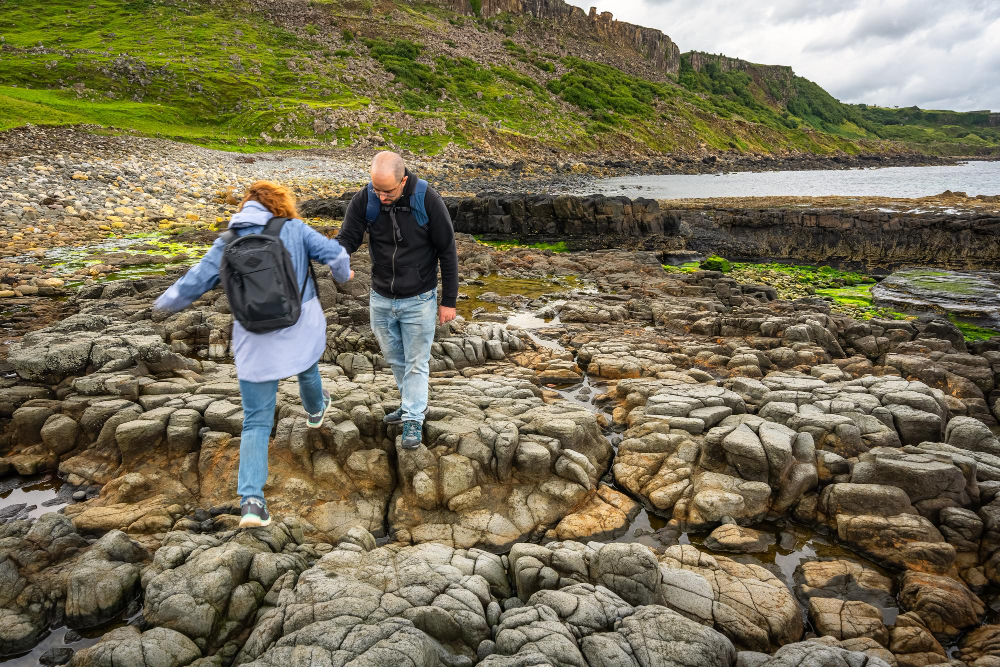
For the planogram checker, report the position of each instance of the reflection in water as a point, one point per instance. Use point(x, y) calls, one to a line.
point(31, 497)
point(63, 637)
point(34, 496)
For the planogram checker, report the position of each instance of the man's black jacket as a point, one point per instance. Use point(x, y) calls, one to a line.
point(406, 266)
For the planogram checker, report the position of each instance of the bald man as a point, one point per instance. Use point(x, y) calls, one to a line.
point(409, 236)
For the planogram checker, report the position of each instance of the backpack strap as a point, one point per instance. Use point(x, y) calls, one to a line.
point(373, 206)
point(417, 203)
point(305, 282)
point(273, 226)
point(273, 229)
point(228, 236)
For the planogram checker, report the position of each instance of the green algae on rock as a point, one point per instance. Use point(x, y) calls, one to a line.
point(970, 296)
point(507, 244)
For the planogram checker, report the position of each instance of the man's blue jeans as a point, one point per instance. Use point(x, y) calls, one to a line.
point(405, 332)
point(258, 420)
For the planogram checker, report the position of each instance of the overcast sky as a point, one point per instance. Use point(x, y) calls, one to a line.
point(937, 54)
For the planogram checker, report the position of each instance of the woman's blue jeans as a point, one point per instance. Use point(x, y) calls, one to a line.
point(258, 421)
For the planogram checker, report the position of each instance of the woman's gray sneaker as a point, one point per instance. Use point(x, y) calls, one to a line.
point(412, 434)
point(316, 420)
point(254, 514)
point(396, 416)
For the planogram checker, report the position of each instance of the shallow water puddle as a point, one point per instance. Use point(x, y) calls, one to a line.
point(23, 497)
point(505, 291)
point(63, 637)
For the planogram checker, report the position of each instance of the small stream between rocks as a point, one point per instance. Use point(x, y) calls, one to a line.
point(61, 641)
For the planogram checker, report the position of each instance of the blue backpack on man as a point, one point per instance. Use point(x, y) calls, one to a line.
point(375, 206)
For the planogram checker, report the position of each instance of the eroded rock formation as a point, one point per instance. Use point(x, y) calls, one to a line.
point(717, 409)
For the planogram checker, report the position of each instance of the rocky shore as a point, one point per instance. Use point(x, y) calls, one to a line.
point(707, 403)
point(873, 238)
point(622, 466)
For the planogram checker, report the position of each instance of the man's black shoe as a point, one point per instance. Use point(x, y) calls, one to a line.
point(412, 434)
point(396, 416)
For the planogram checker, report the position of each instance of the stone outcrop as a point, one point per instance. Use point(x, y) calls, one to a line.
point(581, 222)
point(824, 236)
point(872, 238)
point(649, 42)
point(746, 603)
point(776, 79)
point(486, 478)
point(50, 573)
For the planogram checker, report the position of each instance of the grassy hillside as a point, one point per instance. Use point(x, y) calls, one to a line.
point(243, 76)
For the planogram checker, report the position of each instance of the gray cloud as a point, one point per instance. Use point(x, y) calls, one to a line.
point(890, 52)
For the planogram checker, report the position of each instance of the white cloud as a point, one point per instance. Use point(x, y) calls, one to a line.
point(929, 53)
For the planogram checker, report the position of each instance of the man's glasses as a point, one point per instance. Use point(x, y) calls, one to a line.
point(388, 193)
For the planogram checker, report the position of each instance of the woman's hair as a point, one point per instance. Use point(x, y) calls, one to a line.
point(278, 199)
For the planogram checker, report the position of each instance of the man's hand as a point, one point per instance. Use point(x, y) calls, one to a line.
point(352, 276)
point(445, 314)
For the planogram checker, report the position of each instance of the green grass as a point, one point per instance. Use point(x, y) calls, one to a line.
point(54, 107)
point(939, 281)
point(783, 101)
point(849, 291)
point(716, 263)
point(219, 75)
point(858, 296)
point(857, 301)
point(184, 71)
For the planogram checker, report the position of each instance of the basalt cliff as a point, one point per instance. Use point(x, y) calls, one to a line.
point(649, 42)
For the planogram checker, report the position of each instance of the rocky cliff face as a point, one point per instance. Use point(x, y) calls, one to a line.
point(655, 45)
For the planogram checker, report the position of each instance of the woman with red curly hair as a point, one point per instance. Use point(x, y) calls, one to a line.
point(264, 358)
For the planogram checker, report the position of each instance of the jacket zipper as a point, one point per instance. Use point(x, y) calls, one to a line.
point(395, 244)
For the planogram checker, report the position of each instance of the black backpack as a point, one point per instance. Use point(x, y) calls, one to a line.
point(259, 279)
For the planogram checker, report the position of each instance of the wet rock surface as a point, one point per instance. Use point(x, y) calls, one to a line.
point(583, 398)
point(969, 294)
